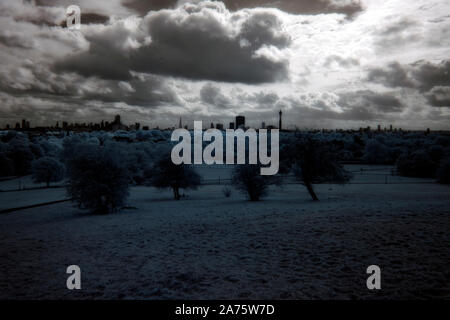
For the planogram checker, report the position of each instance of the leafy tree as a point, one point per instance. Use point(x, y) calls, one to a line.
point(248, 178)
point(436, 152)
point(443, 172)
point(311, 162)
point(418, 164)
point(6, 166)
point(97, 178)
point(377, 153)
point(47, 169)
point(20, 154)
point(165, 174)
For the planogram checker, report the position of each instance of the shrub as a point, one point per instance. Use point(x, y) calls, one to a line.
point(248, 178)
point(47, 169)
point(97, 178)
point(226, 192)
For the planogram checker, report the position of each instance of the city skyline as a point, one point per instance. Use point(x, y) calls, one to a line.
point(334, 64)
point(239, 123)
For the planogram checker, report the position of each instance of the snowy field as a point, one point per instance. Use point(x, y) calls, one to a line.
point(208, 246)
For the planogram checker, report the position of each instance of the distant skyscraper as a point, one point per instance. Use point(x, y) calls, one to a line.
point(263, 125)
point(180, 124)
point(240, 122)
point(279, 121)
point(117, 119)
point(231, 125)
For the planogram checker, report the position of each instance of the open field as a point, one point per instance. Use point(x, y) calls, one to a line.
point(208, 246)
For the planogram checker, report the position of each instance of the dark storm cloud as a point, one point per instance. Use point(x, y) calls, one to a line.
point(365, 103)
point(439, 96)
point(38, 81)
point(395, 75)
point(429, 75)
point(201, 41)
point(349, 8)
point(422, 75)
point(212, 95)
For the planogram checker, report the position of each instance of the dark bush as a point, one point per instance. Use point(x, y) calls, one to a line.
point(443, 172)
point(418, 164)
point(6, 166)
point(377, 153)
point(436, 152)
point(97, 178)
point(248, 178)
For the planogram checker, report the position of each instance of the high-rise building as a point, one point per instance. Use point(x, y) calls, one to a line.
point(180, 124)
point(263, 125)
point(279, 121)
point(240, 122)
point(231, 125)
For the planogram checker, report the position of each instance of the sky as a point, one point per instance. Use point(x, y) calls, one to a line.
point(324, 63)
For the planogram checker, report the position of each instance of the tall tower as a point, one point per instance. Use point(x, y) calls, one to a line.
point(240, 122)
point(279, 121)
point(180, 124)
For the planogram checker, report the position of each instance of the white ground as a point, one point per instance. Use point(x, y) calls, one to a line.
point(208, 246)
